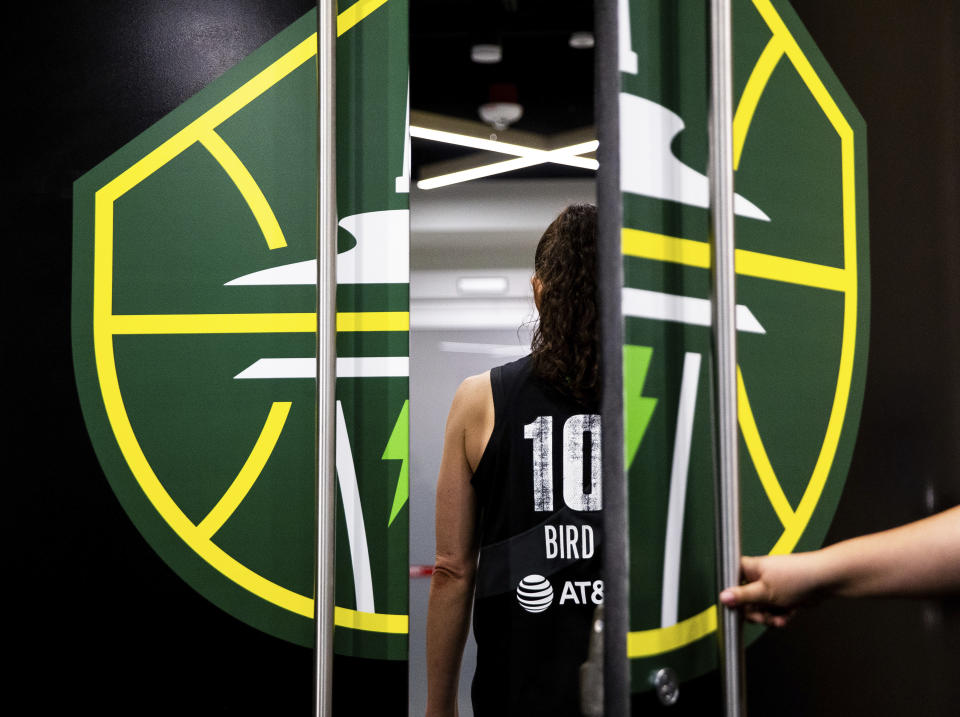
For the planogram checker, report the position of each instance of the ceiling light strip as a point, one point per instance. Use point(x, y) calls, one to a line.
point(510, 165)
point(564, 155)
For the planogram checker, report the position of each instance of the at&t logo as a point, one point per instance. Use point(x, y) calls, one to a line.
point(535, 593)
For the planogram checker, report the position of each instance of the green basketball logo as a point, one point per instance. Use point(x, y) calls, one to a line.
point(194, 339)
point(802, 313)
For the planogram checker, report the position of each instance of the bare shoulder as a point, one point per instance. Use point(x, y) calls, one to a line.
point(472, 415)
point(473, 394)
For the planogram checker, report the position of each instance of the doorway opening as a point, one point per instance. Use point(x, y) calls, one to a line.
point(493, 74)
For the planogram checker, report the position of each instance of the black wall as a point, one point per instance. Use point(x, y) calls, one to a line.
point(898, 61)
point(98, 621)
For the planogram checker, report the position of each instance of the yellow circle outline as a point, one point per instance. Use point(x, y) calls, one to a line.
point(646, 643)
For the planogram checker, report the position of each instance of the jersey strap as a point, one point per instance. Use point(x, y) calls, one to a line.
point(569, 536)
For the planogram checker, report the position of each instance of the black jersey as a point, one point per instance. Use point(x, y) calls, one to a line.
point(538, 580)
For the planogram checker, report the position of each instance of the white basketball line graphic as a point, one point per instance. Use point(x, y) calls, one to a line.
point(380, 255)
point(651, 169)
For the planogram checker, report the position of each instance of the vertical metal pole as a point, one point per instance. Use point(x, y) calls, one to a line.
point(727, 477)
point(326, 353)
point(616, 670)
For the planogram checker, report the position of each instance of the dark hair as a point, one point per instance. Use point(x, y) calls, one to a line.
point(564, 346)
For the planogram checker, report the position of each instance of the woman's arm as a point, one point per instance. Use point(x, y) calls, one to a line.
point(451, 589)
point(916, 559)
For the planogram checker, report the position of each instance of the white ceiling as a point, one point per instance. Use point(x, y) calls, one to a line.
point(484, 229)
point(489, 224)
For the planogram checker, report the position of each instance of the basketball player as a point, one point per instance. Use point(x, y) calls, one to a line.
point(519, 493)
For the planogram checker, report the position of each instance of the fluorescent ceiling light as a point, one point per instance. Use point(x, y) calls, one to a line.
point(486, 54)
point(582, 40)
point(563, 155)
point(557, 156)
point(482, 285)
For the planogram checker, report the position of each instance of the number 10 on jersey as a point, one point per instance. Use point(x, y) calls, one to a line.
point(581, 476)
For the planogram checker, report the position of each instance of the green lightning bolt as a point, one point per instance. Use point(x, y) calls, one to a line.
point(398, 449)
point(639, 408)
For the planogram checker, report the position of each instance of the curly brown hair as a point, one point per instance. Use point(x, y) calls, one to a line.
point(564, 346)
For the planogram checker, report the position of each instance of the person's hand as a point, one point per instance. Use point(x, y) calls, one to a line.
point(919, 559)
point(775, 586)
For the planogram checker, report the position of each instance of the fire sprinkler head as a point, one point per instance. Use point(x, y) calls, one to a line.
point(500, 114)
